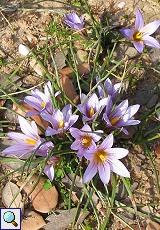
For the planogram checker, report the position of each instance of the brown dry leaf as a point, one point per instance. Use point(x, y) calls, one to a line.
point(2, 102)
point(38, 119)
point(68, 88)
point(153, 226)
point(33, 221)
point(135, 227)
point(42, 200)
point(8, 194)
point(157, 150)
point(83, 69)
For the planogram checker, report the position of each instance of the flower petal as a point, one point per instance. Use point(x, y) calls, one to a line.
point(19, 150)
point(18, 137)
point(150, 28)
point(49, 171)
point(107, 143)
point(139, 22)
point(26, 127)
point(104, 172)
point(118, 167)
point(31, 113)
point(76, 133)
point(119, 109)
point(75, 145)
point(117, 153)
point(90, 172)
point(127, 33)
point(139, 46)
point(150, 41)
point(130, 112)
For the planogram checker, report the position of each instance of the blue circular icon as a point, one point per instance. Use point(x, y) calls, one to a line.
point(9, 217)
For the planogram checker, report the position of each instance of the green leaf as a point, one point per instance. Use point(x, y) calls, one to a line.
point(47, 185)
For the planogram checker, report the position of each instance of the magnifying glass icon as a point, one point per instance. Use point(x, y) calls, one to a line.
point(9, 217)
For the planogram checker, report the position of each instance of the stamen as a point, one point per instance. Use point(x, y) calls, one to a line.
point(61, 124)
point(43, 104)
point(100, 156)
point(91, 112)
point(86, 141)
point(137, 36)
point(114, 120)
point(31, 141)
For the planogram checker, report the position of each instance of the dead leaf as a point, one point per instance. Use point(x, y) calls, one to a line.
point(37, 118)
point(153, 226)
point(135, 227)
point(32, 221)
point(8, 194)
point(2, 102)
point(68, 88)
point(42, 200)
point(83, 69)
point(157, 150)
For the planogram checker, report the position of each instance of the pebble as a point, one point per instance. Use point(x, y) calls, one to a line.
point(143, 96)
point(123, 50)
point(152, 102)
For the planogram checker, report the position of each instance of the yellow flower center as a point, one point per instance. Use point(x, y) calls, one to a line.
point(43, 104)
point(114, 120)
point(31, 141)
point(137, 36)
point(100, 156)
point(61, 124)
point(91, 112)
point(86, 141)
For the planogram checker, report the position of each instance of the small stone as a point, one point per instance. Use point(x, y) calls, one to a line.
point(123, 50)
point(141, 156)
point(143, 96)
point(157, 108)
point(23, 50)
point(81, 56)
point(121, 5)
point(151, 103)
point(155, 56)
point(134, 186)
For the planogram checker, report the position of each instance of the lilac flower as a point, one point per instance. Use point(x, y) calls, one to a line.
point(91, 107)
point(121, 115)
point(45, 151)
point(108, 88)
point(49, 169)
point(27, 141)
point(85, 139)
point(74, 21)
point(104, 159)
point(41, 101)
point(140, 35)
point(60, 120)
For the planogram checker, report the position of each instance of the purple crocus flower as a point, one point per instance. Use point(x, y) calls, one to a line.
point(60, 120)
point(121, 115)
point(108, 88)
point(85, 139)
point(140, 35)
point(104, 159)
point(73, 21)
point(27, 141)
point(41, 101)
point(49, 167)
point(91, 107)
